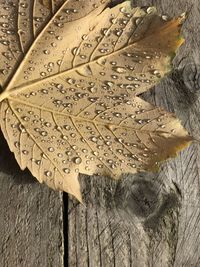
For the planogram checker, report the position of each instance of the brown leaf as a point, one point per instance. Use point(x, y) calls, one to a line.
point(70, 101)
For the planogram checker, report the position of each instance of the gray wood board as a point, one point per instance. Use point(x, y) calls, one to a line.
point(31, 218)
point(143, 220)
point(148, 219)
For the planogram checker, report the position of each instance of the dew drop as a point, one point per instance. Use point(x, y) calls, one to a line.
point(84, 37)
point(43, 74)
point(100, 166)
point(67, 127)
point(162, 126)
point(93, 99)
point(64, 137)
point(44, 156)
point(44, 91)
point(95, 153)
point(75, 51)
point(25, 152)
point(73, 135)
point(48, 173)
point(133, 165)
point(109, 83)
point(70, 81)
point(25, 118)
point(51, 149)
point(108, 143)
point(150, 10)
point(47, 124)
point(93, 89)
point(60, 24)
point(59, 62)
point(44, 133)
point(66, 170)
point(118, 115)
point(17, 144)
point(22, 129)
point(113, 166)
point(165, 18)
point(102, 51)
point(94, 139)
point(83, 56)
point(68, 153)
point(46, 52)
point(77, 160)
point(120, 69)
point(119, 32)
point(123, 10)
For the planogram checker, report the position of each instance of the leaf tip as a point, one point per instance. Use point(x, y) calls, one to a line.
point(173, 152)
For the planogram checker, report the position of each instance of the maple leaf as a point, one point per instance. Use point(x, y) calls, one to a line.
point(71, 72)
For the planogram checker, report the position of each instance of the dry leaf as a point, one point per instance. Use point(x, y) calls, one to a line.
point(70, 84)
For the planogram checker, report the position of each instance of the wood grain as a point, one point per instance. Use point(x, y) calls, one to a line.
point(143, 220)
point(150, 220)
point(31, 226)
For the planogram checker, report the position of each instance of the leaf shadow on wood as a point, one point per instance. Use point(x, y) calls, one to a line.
point(8, 165)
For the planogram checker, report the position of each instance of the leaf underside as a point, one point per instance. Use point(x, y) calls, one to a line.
point(71, 72)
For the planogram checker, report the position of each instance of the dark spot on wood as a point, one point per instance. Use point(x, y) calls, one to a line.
point(8, 165)
point(143, 199)
point(114, 3)
point(6, 157)
point(191, 77)
point(186, 90)
point(169, 203)
point(139, 197)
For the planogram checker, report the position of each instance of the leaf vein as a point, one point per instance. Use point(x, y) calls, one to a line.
point(84, 119)
point(33, 139)
point(88, 144)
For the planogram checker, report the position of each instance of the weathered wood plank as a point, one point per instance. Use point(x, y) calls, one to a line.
point(122, 224)
point(144, 220)
point(31, 226)
point(149, 220)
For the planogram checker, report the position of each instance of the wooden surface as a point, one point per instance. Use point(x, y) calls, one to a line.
point(31, 218)
point(143, 220)
point(150, 220)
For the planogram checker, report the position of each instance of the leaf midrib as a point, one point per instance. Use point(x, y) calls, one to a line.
point(93, 121)
point(33, 83)
point(10, 82)
point(46, 154)
point(9, 89)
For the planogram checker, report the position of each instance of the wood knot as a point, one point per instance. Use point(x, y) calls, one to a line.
point(191, 77)
point(143, 199)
